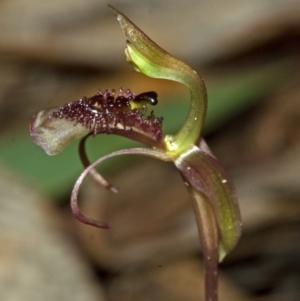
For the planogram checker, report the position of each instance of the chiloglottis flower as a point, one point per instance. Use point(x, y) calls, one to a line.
point(127, 114)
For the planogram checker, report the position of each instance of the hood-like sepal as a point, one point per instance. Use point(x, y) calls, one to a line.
point(150, 59)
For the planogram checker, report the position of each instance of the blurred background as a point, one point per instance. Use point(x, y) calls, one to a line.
point(52, 52)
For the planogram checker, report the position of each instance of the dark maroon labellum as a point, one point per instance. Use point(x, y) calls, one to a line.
point(104, 112)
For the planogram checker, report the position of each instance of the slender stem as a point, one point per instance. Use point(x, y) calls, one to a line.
point(208, 234)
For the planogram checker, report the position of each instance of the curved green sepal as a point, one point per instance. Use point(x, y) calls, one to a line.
point(150, 59)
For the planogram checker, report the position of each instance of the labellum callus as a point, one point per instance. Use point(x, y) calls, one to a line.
point(104, 112)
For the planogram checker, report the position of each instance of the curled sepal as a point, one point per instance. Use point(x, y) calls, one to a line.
point(54, 134)
point(86, 163)
point(201, 170)
point(150, 59)
point(157, 154)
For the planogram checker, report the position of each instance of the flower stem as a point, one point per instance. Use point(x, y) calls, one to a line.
point(208, 233)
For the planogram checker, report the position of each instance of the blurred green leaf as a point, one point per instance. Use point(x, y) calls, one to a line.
point(54, 174)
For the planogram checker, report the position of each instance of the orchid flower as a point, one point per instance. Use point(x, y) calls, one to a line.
point(211, 191)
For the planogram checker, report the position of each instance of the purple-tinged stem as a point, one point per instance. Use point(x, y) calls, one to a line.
point(208, 234)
